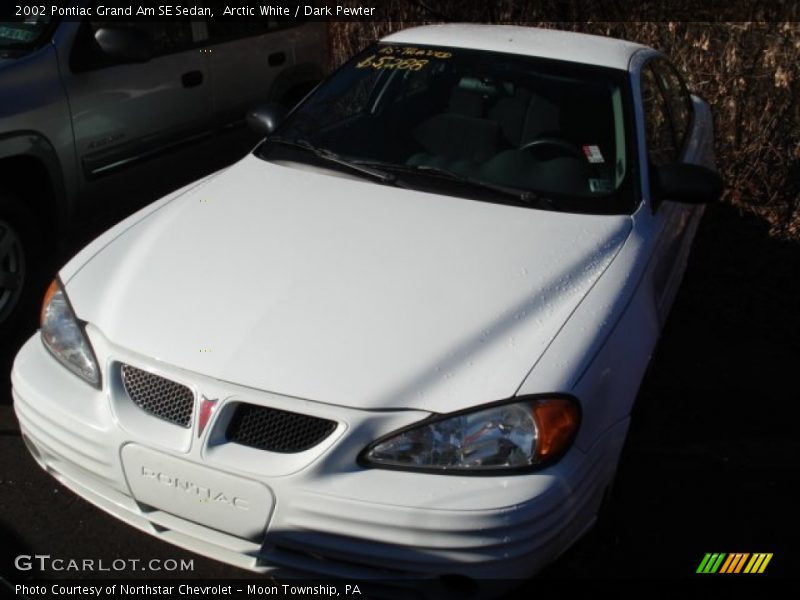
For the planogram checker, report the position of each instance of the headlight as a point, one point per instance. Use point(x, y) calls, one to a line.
point(65, 337)
point(513, 436)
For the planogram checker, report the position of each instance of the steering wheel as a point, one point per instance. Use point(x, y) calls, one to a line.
point(555, 144)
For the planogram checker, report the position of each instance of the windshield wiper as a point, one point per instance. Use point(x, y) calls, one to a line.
point(331, 156)
point(521, 196)
point(526, 196)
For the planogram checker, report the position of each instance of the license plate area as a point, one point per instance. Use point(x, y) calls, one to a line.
point(227, 503)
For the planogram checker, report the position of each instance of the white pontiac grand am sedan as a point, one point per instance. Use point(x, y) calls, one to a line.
point(403, 337)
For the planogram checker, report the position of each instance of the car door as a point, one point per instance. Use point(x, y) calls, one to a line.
point(125, 113)
point(244, 58)
point(669, 128)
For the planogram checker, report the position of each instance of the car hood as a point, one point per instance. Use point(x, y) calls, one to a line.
point(344, 291)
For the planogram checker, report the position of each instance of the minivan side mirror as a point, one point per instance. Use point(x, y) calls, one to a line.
point(125, 44)
point(684, 182)
point(265, 118)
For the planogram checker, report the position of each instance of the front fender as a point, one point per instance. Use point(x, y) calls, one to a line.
point(20, 148)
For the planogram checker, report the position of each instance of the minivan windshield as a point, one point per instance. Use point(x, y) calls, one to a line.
point(474, 123)
point(23, 34)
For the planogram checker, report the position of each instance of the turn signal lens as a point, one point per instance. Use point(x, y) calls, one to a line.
point(556, 421)
point(48, 296)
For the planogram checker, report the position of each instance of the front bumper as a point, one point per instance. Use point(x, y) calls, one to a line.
point(328, 516)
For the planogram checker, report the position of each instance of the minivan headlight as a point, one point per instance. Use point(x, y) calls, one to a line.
point(65, 336)
point(512, 436)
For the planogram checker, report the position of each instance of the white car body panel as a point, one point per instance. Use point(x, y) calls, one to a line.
point(530, 41)
point(602, 352)
point(374, 307)
point(319, 318)
point(473, 526)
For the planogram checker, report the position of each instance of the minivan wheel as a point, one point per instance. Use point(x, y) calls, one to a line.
point(12, 269)
point(21, 267)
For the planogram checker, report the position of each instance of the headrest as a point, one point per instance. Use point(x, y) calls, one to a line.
point(466, 103)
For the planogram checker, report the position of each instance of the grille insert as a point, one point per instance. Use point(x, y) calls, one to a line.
point(276, 430)
point(158, 396)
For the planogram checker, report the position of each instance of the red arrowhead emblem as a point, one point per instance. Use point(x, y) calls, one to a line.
point(207, 407)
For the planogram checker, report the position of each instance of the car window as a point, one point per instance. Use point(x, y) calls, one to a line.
point(24, 33)
point(660, 137)
point(677, 97)
point(168, 36)
point(338, 103)
point(541, 126)
point(231, 30)
point(224, 28)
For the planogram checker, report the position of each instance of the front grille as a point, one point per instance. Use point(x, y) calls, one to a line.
point(158, 396)
point(276, 430)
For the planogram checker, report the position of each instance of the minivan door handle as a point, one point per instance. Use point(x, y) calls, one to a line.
point(192, 79)
point(276, 59)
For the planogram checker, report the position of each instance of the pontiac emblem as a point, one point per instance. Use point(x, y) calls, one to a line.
point(207, 407)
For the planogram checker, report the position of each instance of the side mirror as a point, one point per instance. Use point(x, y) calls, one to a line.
point(683, 182)
point(265, 118)
point(125, 44)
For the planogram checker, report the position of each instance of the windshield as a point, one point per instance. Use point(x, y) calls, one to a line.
point(548, 128)
point(23, 34)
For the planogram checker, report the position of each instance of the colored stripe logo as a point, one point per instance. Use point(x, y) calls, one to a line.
point(737, 562)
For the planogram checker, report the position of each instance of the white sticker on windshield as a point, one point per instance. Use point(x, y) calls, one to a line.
point(600, 186)
point(593, 154)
